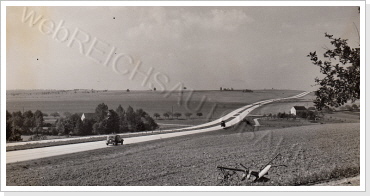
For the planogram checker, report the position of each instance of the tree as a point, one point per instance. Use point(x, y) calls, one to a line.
point(188, 114)
point(132, 119)
point(140, 112)
point(95, 128)
point(59, 125)
point(9, 126)
point(140, 126)
point(88, 126)
point(303, 114)
point(342, 74)
point(55, 114)
point(311, 115)
point(29, 121)
point(16, 124)
point(199, 114)
point(177, 115)
point(170, 114)
point(101, 112)
point(355, 107)
point(101, 127)
point(69, 126)
point(150, 124)
point(39, 119)
point(349, 108)
point(166, 115)
point(17, 119)
point(156, 115)
point(112, 122)
point(67, 114)
point(78, 129)
point(123, 127)
point(120, 111)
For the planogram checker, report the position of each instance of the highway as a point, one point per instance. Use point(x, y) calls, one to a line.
point(231, 119)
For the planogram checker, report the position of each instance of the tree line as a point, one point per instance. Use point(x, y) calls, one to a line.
point(176, 114)
point(18, 124)
point(104, 121)
point(309, 115)
point(107, 121)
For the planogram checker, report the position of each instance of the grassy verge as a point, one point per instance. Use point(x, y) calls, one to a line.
point(53, 143)
point(80, 140)
point(312, 154)
point(72, 141)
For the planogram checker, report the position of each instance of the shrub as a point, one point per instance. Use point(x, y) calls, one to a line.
point(37, 137)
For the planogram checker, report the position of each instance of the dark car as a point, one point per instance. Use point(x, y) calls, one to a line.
point(223, 124)
point(114, 139)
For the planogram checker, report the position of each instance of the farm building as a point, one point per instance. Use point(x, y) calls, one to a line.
point(88, 116)
point(296, 110)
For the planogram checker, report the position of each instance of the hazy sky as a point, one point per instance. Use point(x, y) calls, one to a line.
point(201, 47)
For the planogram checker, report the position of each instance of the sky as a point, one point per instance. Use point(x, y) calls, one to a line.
point(200, 48)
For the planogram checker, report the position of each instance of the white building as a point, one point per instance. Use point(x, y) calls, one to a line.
point(297, 109)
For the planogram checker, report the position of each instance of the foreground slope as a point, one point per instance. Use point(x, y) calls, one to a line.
point(312, 154)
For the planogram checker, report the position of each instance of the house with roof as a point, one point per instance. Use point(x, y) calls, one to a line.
point(297, 110)
point(88, 116)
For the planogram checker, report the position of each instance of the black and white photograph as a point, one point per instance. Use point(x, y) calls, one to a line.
point(142, 96)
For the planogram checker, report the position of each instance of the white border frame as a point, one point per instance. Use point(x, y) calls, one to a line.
point(4, 4)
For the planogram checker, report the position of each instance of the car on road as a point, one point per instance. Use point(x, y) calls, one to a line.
point(223, 124)
point(114, 139)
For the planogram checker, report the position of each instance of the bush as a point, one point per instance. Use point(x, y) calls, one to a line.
point(349, 108)
point(15, 138)
point(37, 137)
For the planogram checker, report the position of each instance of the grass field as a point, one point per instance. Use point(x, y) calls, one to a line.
point(150, 101)
point(312, 153)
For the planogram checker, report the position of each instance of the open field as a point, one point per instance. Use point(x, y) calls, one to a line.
point(312, 153)
point(328, 118)
point(285, 105)
point(334, 117)
point(150, 101)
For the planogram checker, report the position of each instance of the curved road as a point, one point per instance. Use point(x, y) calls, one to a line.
point(231, 119)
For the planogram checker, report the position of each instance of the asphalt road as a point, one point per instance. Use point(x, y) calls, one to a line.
point(231, 119)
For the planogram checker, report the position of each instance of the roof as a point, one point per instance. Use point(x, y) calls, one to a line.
point(299, 108)
point(88, 116)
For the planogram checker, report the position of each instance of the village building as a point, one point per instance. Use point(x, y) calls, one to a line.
point(88, 116)
point(297, 110)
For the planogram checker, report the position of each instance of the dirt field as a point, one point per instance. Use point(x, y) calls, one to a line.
point(312, 154)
